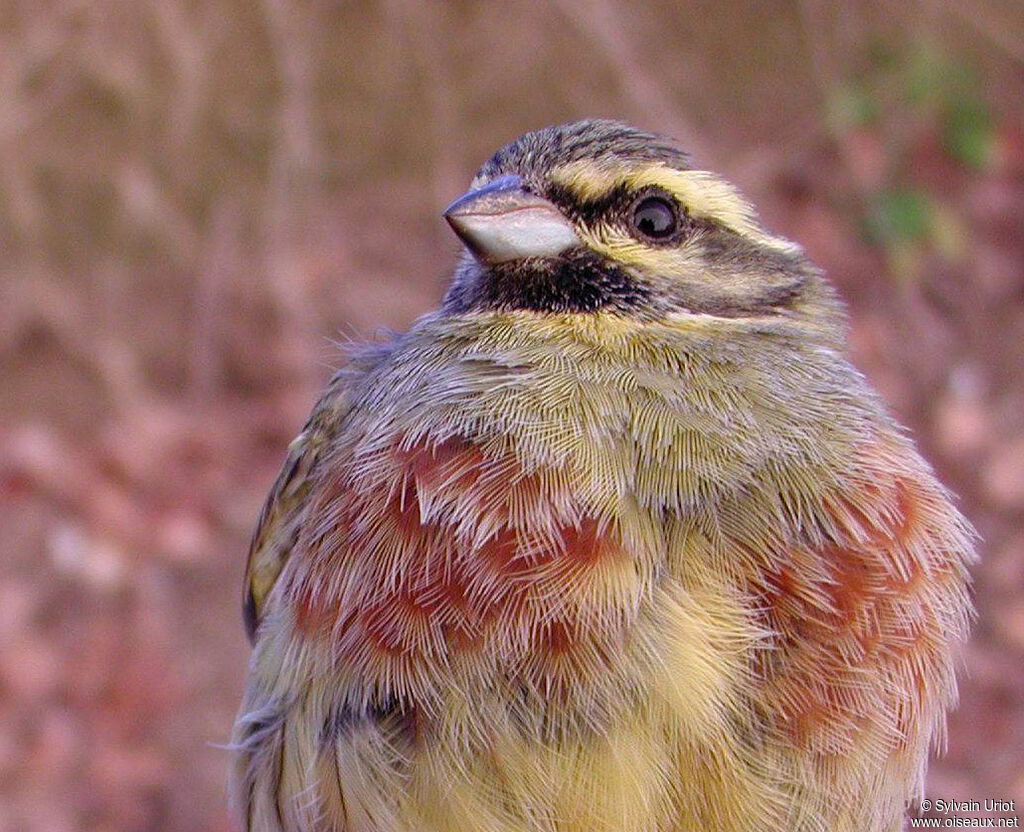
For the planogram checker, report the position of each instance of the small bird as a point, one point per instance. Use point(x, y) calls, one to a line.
point(617, 539)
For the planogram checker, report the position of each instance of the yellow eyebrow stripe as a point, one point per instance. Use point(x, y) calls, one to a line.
point(702, 193)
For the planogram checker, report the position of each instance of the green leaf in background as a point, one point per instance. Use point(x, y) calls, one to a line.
point(967, 132)
point(897, 216)
point(850, 105)
point(931, 78)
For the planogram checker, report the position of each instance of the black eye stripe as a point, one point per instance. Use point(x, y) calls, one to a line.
point(591, 211)
point(617, 206)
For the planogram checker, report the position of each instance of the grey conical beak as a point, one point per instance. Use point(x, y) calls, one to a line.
point(503, 221)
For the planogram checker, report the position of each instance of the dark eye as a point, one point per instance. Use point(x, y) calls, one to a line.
point(655, 217)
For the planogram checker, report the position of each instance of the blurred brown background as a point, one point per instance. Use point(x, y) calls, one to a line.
point(197, 198)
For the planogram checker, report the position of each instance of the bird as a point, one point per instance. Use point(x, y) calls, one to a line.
point(616, 539)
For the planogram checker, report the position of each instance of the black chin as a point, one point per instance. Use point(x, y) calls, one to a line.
point(576, 282)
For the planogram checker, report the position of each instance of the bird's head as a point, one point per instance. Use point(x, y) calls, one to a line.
point(599, 216)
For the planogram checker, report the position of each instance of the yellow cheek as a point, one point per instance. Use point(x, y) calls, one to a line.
point(622, 248)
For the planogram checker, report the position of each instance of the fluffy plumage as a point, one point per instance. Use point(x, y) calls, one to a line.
point(556, 560)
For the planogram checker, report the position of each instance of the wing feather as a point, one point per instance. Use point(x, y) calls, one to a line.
point(283, 512)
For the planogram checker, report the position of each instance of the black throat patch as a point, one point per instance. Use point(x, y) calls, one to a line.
point(578, 281)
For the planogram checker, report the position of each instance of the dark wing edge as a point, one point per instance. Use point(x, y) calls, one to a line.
point(282, 514)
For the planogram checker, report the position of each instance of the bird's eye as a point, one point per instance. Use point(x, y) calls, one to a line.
point(655, 217)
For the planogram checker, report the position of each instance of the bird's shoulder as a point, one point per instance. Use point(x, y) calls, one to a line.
point(862, 605)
